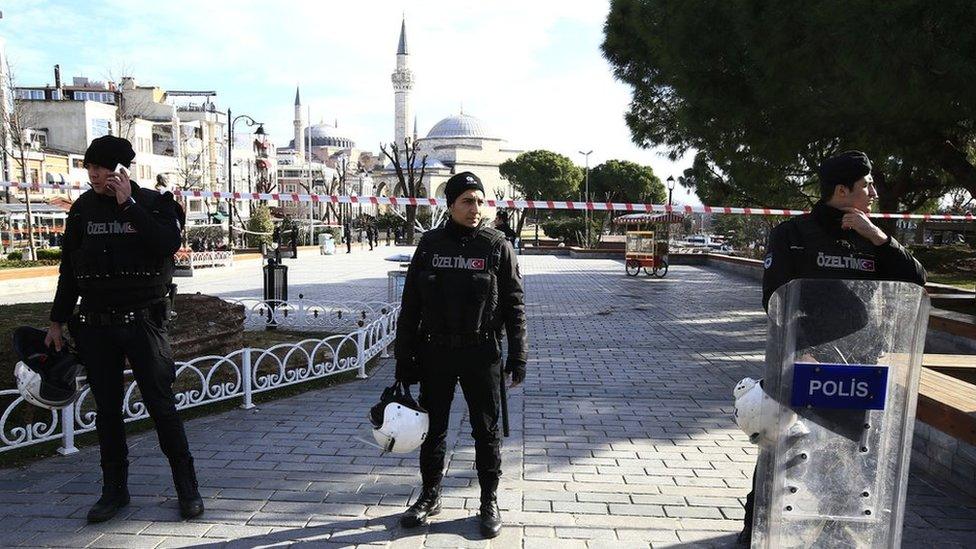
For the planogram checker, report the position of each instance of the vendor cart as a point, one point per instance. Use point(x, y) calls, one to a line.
point(643, 251)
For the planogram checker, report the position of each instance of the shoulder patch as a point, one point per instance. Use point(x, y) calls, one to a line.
point(768, 262)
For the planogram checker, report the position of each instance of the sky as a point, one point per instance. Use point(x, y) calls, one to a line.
point(532, 71)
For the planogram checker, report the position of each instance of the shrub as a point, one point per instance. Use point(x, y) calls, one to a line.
point(259, 222)
point(15, 256)
point(570, 230)
point(942, 258)
point(49, 253)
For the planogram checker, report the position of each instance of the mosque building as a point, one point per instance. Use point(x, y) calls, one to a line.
point(459, 142)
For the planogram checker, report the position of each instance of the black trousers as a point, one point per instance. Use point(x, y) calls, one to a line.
point(103, 350)
point(479, 373)
point(750, 505)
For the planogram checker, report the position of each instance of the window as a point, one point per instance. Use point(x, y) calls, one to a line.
point(77, 163)
point(30, 95)
point(100, 127)
point(101, 97)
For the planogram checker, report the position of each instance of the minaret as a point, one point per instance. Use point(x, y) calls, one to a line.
point(415, 127)
point(299, 137)
point(402, 79)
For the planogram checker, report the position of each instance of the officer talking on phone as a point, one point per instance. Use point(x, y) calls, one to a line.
point(118, 258)
point(463, 287)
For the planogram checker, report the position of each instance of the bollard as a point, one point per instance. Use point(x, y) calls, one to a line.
point(246, 377)
point(68, 431)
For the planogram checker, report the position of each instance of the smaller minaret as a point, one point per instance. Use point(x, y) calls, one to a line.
point(402, 79)
point(299, 125)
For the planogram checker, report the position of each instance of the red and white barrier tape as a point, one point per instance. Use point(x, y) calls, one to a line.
point(512, 204)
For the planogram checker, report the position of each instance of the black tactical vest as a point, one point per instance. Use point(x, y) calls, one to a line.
point(458, 281)
point(110, 255)
point(817, 252)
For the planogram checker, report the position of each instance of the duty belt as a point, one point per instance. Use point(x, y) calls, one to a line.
point(456, 341)
point(119, 318)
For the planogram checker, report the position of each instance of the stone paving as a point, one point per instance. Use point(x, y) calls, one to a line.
point(621, 437)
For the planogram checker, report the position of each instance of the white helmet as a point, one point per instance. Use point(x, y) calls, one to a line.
point(755, 412)
point(399, 424)
point(758, 414)
point(45, 377)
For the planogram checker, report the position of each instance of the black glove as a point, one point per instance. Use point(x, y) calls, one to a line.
point(407, 371)
point(517, 369)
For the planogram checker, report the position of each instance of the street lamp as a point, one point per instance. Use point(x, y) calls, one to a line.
point(586, 213)
point(668, 221)
point(230, 166)
point(670, 190)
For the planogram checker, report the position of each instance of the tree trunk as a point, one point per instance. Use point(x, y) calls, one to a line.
point(411, 220)
point(537, 228)
point(31, 253)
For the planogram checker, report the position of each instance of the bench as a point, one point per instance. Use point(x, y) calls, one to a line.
point(945, 402)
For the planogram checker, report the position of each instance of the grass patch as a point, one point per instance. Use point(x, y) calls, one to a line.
point(22, 263)
point(966, 281)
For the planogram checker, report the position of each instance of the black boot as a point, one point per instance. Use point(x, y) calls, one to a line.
point(427, 505)
point(115, 491)
point(185, 479)
point(491, 515)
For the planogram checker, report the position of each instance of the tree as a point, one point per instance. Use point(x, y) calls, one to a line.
point(542, 174)
point(625, 181)
point(764, 91)
point(260, 226)
point(21, 124)
point(409, 183)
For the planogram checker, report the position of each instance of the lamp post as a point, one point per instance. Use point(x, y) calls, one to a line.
point(670, 190)
point(230, 166)
point(586, 213)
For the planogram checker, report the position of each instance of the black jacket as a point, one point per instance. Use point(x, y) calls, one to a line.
point(117, 257)
point(814, 245)
point(462, 281)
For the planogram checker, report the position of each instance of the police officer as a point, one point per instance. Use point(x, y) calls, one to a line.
point(462, 288)
point(836, 240)
point(118, 257)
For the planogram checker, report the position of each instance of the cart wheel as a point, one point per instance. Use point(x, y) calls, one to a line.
point(661, 271)
point(647, 272)
point(633, 267)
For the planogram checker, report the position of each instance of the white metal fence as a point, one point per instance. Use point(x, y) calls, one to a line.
point(238, 375)
point(185, 262)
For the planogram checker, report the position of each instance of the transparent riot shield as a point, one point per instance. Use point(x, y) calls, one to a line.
point(843, 359)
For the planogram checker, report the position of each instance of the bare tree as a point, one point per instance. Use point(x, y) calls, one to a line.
point(21, 123)
point(409, 183)
point(129, 106)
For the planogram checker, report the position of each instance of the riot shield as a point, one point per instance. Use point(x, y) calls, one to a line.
point(843, 359)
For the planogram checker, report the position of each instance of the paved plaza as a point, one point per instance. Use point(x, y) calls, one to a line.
point(621, 436)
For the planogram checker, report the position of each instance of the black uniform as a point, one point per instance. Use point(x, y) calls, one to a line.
point(814, 245)
point(462, 288)
point(119, 260)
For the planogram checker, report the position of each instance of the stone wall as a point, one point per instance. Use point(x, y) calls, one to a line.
point(944, 457)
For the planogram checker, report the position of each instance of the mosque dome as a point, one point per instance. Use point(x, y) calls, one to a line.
point(460, 126)
point(326, 135)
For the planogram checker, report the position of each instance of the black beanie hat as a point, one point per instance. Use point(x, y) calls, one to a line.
point(459, 183)
point(845, 169)
point(109, 151)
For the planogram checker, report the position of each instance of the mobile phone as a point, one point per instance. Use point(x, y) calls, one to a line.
point(122, 169)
